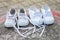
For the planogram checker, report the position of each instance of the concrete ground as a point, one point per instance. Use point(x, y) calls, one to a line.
point(52, 32)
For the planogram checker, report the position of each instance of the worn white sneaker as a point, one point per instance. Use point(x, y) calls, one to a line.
point(10, 18)
point(35, 16)
point(22, 20)
point(47, 15)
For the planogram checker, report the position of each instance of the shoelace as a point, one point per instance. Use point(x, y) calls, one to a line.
point(21, 34)
point(43, 26)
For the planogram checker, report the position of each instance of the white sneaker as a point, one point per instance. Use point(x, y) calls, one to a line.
point(36, 19)
point(10, 18)
point(22, 20)
point(47, 15)
point(35, 16)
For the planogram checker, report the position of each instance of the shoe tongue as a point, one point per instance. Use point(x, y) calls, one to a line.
point(37, 14)
point(48, 13)
point(22, 13)
point(34, 14)
point(22, 16)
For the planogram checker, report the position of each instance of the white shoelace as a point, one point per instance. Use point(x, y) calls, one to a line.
point(43, 27)
point(34, 29)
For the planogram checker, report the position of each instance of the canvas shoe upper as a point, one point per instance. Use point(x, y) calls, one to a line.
point(35, 16)
point(10, 18)
point(22, 20)
point(47, 15)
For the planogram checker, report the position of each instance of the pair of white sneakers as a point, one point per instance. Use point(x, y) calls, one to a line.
point(12, 18)
point(39, 17)
point(34, 16)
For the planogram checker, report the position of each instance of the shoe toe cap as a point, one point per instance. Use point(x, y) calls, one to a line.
point(48, 20)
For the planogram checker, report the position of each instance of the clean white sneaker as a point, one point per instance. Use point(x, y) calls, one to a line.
point(22, 20)
point(10, 18)
point(47, 15)
point(35, 16)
